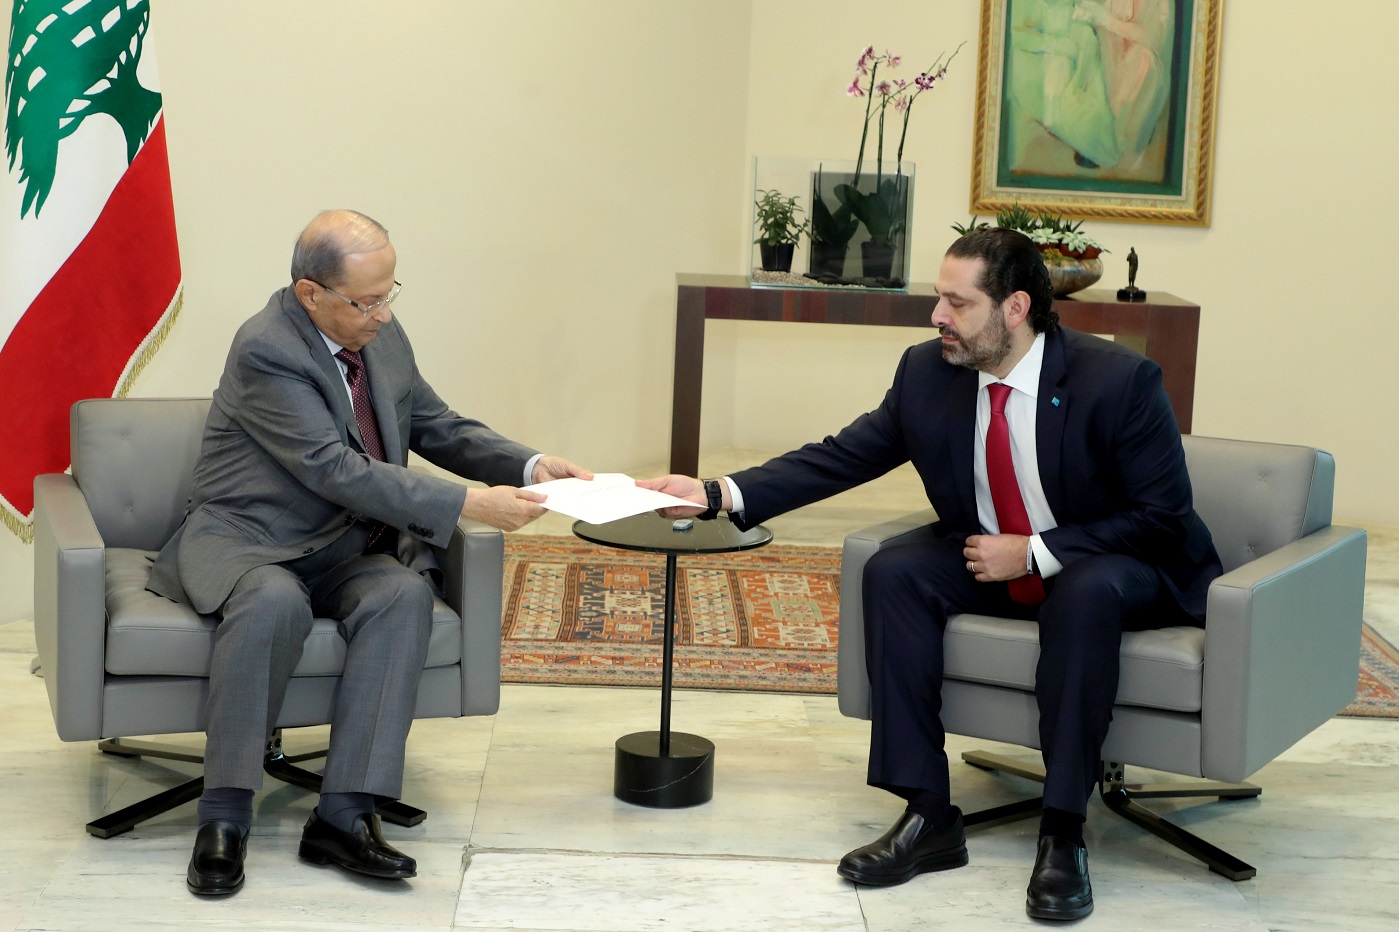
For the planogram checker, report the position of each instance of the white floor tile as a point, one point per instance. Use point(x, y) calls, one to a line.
point(616, 893)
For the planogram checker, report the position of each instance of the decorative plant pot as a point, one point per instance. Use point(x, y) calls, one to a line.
point(1068, 274)
point(878, 259)
point(777, 257)
point(871, 209)
point(827, 259)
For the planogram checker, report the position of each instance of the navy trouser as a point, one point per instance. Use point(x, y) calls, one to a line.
point(911, 589)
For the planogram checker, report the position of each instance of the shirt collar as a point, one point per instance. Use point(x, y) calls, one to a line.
point(1025, 377)
point(331, 344)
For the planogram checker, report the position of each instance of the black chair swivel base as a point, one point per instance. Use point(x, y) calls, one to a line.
point(1121, 797)
point(275, 764)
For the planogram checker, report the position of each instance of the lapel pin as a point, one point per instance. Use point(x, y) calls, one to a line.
point(1054, 401)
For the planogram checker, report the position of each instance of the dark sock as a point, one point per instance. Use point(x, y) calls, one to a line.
point(341, 809)
point(1061, 824)
point(936, 810)
point(228, 804)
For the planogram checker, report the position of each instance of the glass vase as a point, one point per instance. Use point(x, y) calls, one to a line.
point(864, 217)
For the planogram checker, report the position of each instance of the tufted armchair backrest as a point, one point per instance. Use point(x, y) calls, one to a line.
point(134, 460)
point(1256, 497)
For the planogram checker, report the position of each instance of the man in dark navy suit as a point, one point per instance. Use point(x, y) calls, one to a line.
point(1055, 465)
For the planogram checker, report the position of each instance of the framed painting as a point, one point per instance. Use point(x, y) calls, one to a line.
point(1102, 109)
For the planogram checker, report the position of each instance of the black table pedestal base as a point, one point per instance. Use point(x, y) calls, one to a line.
point(644, 777)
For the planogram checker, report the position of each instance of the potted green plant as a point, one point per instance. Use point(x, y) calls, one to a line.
point(1070, 255)
point(779, 228)
point(831, 231)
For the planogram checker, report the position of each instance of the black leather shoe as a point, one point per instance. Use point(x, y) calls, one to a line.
point(910, 848)
point(1059, 887)
point(362, 850)
point(216, 867)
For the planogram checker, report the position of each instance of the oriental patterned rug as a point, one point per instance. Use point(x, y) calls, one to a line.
point(760, 621)
point(1378, 694)
point(757, 620)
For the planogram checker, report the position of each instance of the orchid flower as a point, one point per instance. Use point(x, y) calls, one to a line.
point(896, 92)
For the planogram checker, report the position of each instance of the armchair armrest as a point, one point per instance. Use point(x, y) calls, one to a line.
point(852, 679)
point(69, 605)
point(473, 566)
point(1282, 649)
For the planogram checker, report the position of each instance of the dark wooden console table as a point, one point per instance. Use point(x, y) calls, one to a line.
point(1165, 329)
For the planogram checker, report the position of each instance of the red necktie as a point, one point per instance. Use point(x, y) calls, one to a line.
point(1005, 490)
point(364, 417)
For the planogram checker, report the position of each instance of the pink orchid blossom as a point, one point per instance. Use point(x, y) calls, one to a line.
point(898, 92)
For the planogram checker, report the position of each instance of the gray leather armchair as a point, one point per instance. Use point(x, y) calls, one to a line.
point(1278, 656)
point(120, 661)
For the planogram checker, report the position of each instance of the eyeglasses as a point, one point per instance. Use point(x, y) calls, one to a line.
point(366, 309)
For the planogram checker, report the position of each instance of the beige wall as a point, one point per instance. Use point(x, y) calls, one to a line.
point(543, 167)
point(1298, 329)
point(547, 167)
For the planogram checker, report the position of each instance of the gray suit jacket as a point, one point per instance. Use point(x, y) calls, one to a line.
point(283, 472)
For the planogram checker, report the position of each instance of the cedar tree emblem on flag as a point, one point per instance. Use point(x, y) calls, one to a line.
point(90, 270)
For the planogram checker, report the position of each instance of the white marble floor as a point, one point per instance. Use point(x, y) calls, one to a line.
point(523, 831)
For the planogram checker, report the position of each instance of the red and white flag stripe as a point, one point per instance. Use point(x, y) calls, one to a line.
point(90, 280)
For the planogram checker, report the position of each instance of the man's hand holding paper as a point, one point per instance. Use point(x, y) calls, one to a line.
point(606, 497)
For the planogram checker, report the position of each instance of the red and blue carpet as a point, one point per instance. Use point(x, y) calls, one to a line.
point(1378, 695)
point(761, 621)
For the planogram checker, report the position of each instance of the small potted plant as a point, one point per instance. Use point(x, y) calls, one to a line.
point(1070, 255)
point(779, 229)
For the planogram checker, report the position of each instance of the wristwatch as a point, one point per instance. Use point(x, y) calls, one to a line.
point(714, 497)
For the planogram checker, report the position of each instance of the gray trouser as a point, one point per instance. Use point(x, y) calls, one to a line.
point(384, 612)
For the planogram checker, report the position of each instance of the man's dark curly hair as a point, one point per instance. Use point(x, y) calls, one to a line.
point(1012, 263)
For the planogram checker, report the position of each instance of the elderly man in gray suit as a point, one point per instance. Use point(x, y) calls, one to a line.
point(303, 507)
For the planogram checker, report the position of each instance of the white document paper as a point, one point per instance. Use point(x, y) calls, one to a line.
point(607, 497)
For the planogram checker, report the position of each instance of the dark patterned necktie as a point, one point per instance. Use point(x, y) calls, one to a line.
point(364, 417)
point(1005, 490)
point(364, 408)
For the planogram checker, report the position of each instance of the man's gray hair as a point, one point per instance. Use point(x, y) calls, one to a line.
point(321, 249)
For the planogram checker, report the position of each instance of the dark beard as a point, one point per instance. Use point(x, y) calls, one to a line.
point(986, 351)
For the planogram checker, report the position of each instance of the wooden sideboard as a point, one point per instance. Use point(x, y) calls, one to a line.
point(1164, 328)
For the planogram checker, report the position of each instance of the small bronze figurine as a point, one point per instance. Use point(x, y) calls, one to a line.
point(1131, 292)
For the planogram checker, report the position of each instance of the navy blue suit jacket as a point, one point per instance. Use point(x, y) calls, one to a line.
point(1110, 458)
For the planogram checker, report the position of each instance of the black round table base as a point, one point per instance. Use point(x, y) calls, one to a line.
point(683, 778)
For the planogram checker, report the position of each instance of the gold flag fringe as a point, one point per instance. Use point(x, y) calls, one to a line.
point(24, 529)
point(153, 343)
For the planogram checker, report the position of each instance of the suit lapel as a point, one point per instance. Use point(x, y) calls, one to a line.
point(960, 404)
point(1050, 411)
point(379, 365)
point(337, 396)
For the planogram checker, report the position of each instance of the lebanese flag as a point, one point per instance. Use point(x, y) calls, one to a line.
point(89, 266)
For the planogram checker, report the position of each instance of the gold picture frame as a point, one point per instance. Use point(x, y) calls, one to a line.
point(1101, 109)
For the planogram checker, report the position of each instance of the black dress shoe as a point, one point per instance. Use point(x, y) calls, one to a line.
point(216, 867)
point(362, 850)
point(910, 848)
point(1059, 887)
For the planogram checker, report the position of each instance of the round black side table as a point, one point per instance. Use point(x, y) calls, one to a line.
point(661, 769)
